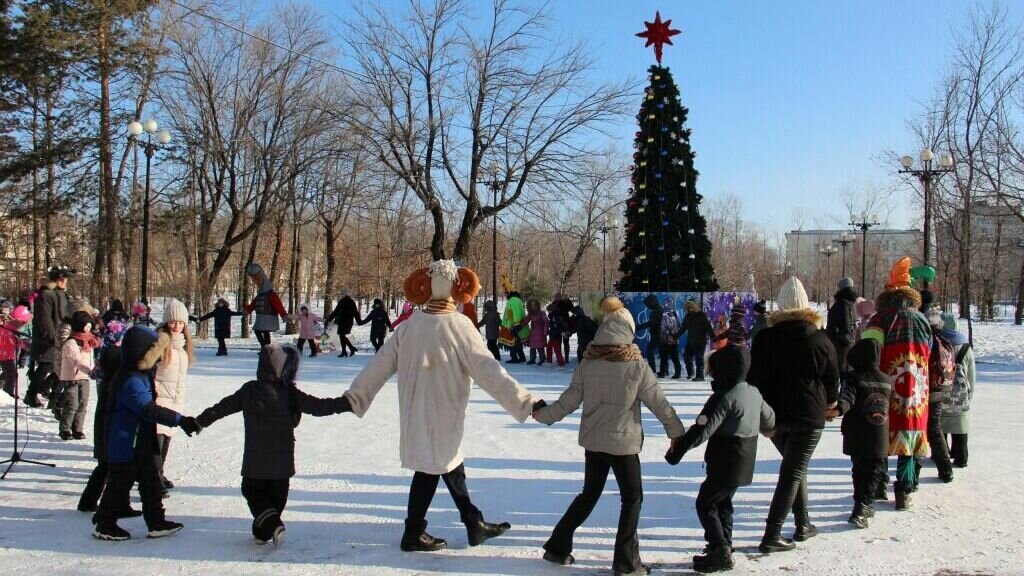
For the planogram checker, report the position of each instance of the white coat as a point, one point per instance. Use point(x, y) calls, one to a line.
point(170, 378)
point(436, 356)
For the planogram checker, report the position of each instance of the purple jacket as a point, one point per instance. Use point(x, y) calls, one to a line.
point(538, 329)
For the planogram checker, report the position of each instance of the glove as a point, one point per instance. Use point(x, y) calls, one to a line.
point(190, 425)
point(344, 405)
point(539, 404)
point(674, 454)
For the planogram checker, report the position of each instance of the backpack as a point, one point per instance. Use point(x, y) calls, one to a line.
point(958, 399)
point(941, 365)
point(669, 327)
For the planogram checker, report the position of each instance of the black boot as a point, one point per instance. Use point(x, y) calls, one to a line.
point(773, 540)
point(416, 539)
point(566, 560)
point(718, 559)
point(903, 500)
point(480, 531)
point(859, 517)
point(881, 493)
point(804, 529)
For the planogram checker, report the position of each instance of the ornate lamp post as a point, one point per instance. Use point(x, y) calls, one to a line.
point(927, 174)
point(163, 137)
point(864, 224)
point(608, 224)
point(828, 252)
point(844, 241)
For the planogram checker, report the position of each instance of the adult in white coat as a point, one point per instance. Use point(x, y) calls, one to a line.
point(437, 354)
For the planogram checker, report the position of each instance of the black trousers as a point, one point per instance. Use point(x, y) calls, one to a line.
point(796, 448)
point(669, 352)
point(694, 356)
point(937, 441)
point(164, 442)
point(346, 344)
point(565, 346)
point(517, 353)
point(631, 492)
point(492, 345)
point(868, 475)
point(10, 377)
point(222, 347)
point(120, 478)
point(714, 509)
point(263, 337)
point(314, 348)
point(421, 494)
point(377, 342)
point(266, 500)
point(651, 353)
point(958, 449)
point(41, 380)
point(90, 497)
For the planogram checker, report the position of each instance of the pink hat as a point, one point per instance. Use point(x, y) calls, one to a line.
point(21, 314)
point(139, 309)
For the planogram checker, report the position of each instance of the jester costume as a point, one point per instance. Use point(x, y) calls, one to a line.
point(906, 345)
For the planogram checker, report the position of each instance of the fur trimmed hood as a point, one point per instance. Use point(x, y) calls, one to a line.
point(803, 314)
point(155, 352)
point(902, 297)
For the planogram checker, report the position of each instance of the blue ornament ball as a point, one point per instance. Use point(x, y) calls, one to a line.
point(657, 175)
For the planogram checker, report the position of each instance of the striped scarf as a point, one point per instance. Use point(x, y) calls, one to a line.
point(440, 306)
point(613, 352)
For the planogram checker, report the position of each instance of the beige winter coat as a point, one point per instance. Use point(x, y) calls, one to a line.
point(611, 393)
point(170, 377)
point(437, 357)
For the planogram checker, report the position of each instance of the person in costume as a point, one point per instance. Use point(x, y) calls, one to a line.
point(437, 354)
point(514, 323)
point(906, 341)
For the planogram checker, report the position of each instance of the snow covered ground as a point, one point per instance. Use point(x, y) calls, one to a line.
point(348, 498)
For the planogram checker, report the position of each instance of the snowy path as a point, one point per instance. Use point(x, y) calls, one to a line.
point(348, 499)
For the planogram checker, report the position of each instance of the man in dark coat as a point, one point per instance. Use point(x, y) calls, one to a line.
point(864, 405)
point(841, 325)
point(697, 328)
point(562, 308)
point(586, 329)
point(221, 315)
point(793, 364)
point(271, 406)
point(379, 322)
point(345, 314)
point(50, 311)
point(653, 326)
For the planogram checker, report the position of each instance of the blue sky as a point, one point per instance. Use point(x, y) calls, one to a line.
point(790, 102)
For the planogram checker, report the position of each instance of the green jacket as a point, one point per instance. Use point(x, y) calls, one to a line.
point(514, 315)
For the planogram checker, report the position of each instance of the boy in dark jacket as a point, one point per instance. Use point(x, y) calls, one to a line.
point(380, 323)
point(586, 328)
point(131, 446)
point(698, 330)
point(557, 327)
point(491, 322)
point(271, 406)
point(653, 326)
point(864, 405)
point(221, 315)
point(729, 422)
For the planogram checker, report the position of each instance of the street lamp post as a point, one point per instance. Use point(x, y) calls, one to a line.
point(135, 129)
point(609, 223)
point(844, 241)
point(494, 183)
point(828, 252)
point(864, 224)
point(927, 174)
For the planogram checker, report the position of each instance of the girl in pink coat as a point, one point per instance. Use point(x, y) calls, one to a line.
point(538, 338)
point(308, 331)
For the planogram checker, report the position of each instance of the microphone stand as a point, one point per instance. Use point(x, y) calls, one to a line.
point(16, 454)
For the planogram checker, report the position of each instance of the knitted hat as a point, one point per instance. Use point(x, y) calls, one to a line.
point(175, 311)
point(792, 295)
point(729, 365)
point(253, 269)
point(761, 307)
point(845, 282)
point(139, 309)
point(864, 307)
point(617, 325)
point(21, 314)
point(80, 320)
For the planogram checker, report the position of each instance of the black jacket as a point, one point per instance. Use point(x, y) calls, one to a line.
point(271, 406)
point(586, 329)
point(345, 314)
point(867, 391)
point(793, 364)
point(842, 325)
point(110, 361)
point(697, 328)
point(379, 321)
point(221, 320)
point(50, 311)
point(653, 323)
point(115, 312)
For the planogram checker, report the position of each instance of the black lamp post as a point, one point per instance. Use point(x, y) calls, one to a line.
point(608, 224)
point(864, 224)
point(494, 184)
point(135, 129)
point(927, 174)
point(844, 241)
point(828, 252)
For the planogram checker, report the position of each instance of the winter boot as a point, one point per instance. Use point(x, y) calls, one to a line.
point(946, 476)
point(111, 532)
point(164, 528)
point(881, 493)
point(480, 531)
point(903, 500)
point(643, 570)
point(804, 529)
point(859, 517)
point(416, 539)
point(700, 375)
point(278, 536)
point(566, 560)
point(718, 559)
point(773, 540)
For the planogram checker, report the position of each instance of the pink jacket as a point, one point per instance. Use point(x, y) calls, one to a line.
point(307, 325)
point(75, 363)
point(10, 343)
point(538, 329)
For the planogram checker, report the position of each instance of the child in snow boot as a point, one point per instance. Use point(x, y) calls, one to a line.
point(729, 422)
point(177, 354)
point(864, 405)
point(537, 340)
point(221, 314)
point(271, 406)
point(491, 323)
point(76, 363)
point(12, 341)
point(379, 322)
point(611, 383)
point(131, 446)
point(556, 328)
point(308, 332)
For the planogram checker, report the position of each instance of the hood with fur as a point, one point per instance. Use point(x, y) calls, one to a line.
point(902, 297)
point(617, 325)
point(278, 364)
point(803, 314)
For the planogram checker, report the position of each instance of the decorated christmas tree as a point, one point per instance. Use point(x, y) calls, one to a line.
point(666, 247)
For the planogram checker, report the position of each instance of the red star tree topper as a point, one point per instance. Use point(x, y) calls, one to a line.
point(658, 34)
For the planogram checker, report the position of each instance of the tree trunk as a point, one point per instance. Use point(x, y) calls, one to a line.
point(278, 240)
point(965, 266)
point(437, 241)
point(1018, 314)
point(329, 241)
point(36, 260)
